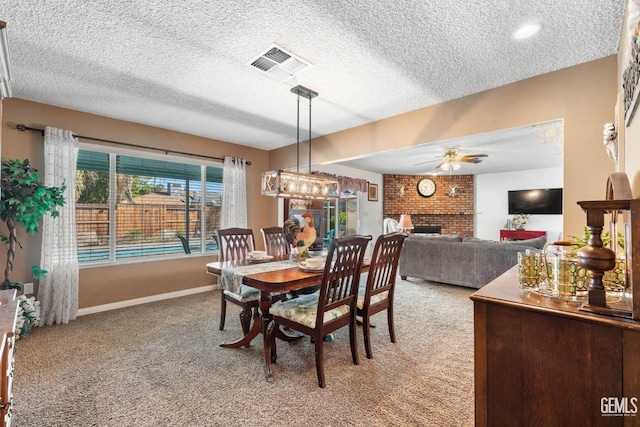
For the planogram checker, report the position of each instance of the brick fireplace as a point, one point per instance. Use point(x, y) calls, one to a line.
point(451, 214)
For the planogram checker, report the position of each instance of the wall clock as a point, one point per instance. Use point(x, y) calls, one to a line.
point(426, 187)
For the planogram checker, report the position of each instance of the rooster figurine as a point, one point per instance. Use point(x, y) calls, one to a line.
point(301, 238)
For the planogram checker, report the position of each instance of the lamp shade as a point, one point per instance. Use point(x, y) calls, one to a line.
point(450, 165)
point(405, 222)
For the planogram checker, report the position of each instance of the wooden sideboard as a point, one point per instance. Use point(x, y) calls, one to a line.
point(8, 315)
point(520, 234)
point(540, 361)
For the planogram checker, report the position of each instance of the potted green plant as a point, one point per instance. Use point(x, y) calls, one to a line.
point(606, 239)
point(23, 201)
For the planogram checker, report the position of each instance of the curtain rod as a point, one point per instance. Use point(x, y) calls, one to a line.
point(24, 128)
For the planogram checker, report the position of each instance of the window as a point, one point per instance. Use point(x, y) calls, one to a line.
point(134, 206)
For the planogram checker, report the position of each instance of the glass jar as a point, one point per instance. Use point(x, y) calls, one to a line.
point(566, 278)
point(530, 269)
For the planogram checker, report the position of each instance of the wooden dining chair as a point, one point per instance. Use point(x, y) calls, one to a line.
point(235, 244)
point(275, 242)
point(377, 293)
point(332, 308)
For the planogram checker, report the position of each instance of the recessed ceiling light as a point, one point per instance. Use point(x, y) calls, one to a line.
point(526, 31)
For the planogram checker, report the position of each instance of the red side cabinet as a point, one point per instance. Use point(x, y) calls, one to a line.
point(520, 234)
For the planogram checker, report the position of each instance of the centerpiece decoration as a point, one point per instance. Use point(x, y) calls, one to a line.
point(519, 220)
point(300, 236)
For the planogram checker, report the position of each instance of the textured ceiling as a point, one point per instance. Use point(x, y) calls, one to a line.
point(535, 146)
point(183, 65)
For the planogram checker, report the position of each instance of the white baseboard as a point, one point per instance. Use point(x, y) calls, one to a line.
point(144, 300)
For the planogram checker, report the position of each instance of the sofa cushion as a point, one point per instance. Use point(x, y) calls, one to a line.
point(436, 236)
point(477, 240)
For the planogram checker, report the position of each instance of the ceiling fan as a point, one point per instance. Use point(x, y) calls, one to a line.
point(451, 159)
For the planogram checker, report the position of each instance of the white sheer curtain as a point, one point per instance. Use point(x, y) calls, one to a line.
point(58, 290)
point(234, 193)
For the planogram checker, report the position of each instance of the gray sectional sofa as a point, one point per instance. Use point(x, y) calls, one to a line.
point(460, 261)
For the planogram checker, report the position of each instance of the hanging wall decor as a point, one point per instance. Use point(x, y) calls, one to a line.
point(373, 192)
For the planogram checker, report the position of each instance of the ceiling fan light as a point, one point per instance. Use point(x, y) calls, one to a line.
point(450, 165)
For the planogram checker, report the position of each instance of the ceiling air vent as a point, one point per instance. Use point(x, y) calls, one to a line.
point(279, 63)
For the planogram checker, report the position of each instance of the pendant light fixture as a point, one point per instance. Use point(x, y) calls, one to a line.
point(296, 185)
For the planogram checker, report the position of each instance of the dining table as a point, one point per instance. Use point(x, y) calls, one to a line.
point(277, 276)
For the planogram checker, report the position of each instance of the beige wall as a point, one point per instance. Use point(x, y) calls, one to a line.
point(583, 95)
point(105, 285)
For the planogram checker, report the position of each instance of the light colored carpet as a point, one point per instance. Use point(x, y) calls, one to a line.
point(160, 364)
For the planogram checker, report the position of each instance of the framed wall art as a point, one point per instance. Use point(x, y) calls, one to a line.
point(373, 192)
point(631, 74)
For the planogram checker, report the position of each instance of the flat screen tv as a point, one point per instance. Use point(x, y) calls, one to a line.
point(546, 201)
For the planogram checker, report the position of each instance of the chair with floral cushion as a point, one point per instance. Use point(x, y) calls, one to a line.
point(332, 308)
point(235, 244)
point(275, 242)
point(376, 294)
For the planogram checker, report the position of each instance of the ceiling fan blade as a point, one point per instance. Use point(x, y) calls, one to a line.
point(441, 163)
point(470, 160)
point(471, 157)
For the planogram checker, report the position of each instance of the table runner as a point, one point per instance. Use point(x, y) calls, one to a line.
point(231, 278)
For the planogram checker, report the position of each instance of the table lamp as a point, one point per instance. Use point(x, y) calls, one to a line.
point(405, 224)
